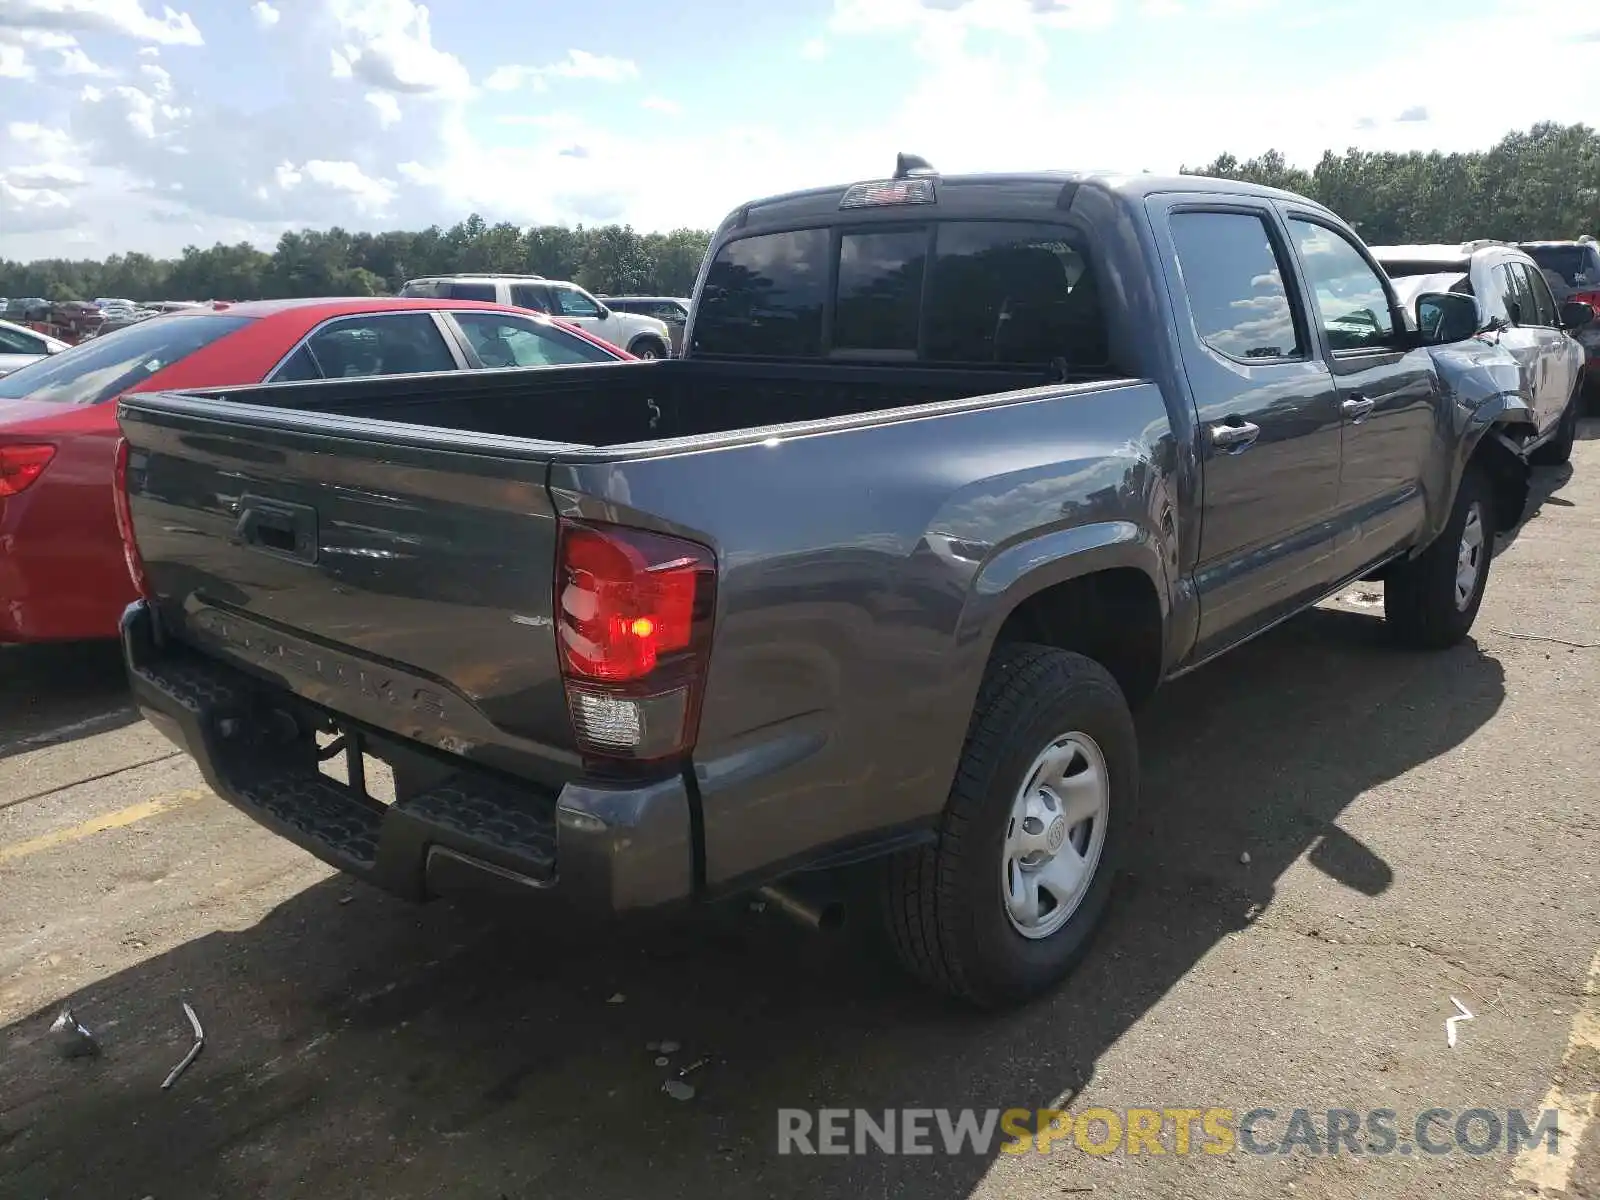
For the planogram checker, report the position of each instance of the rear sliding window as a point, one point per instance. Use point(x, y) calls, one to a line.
point(961, 292)
point(113, 363)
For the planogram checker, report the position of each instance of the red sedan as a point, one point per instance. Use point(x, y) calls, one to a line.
point(62, 573)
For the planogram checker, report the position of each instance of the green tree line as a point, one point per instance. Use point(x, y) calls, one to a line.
point(1542, 183)
point(335, 262)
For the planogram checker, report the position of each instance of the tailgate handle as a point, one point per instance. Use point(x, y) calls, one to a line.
point(277, 527)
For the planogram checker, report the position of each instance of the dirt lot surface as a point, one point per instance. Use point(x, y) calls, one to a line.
point(1417, 828)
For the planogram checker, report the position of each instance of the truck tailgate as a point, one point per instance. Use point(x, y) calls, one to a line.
point(400, 575)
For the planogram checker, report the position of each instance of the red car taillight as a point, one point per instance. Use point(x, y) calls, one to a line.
point(633, 622)
point(1592, 299)
point(21, 464)
point(130, 545)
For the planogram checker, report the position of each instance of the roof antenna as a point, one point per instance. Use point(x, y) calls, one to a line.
point(907, 166)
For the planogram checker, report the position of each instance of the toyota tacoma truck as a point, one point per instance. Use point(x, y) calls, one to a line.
point(952, 474)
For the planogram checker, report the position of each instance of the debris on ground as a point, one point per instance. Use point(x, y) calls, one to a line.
point(678, 1089)
point(1245, 858)
point(1464, 1014)
point(684, 1072)
point(615, 998)
point(194, 1050)
point(662, 1060)
point(72, 1038)
point(670, 1047)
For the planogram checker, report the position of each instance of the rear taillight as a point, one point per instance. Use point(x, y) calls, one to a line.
point(21, 464)
point(1592, 299)
point(633, 622)
point(130, 545)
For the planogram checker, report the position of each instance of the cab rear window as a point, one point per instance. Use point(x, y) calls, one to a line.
point(968, 292)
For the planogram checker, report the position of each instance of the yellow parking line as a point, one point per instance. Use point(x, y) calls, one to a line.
point(1537, 1168)
point(120, 819)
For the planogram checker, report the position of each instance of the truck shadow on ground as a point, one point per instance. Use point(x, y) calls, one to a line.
point(359, 1046)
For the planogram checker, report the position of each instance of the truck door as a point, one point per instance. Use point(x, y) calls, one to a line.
point(1387, 392)
point(1268, 425)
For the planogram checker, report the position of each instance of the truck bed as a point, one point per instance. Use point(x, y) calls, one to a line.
point(617, 404)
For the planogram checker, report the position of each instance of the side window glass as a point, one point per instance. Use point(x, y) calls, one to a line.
point(1544, 304)
point(14, 342)
point(1519, 299)
point(301, 365)
point(1235, 284)
point(1352, 305)
point(502, 341)
point(527, 296)
point(381, 344)
point(472, 291)
point(573, 303)
point(880, 289)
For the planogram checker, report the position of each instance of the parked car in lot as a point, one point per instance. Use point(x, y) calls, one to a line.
point(1573, 271)
point(20, 346)
point(673, 310)
point(1519, 312)
point(642, 336)
point(952, 474)
point(62, 570)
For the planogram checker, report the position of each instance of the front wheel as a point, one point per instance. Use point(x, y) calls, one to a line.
point(1042, 807)
point(648, 349)
point(1432, 600)
point(1558, 450)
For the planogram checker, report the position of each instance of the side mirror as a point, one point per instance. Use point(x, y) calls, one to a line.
point(603, 312)
point(1575, 315)
point(55, 349)
point(1445, 317)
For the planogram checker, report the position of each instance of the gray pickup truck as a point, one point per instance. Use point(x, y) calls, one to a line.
point(953, 472)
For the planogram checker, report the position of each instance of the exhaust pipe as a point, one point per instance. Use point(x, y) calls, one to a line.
point(823, 918)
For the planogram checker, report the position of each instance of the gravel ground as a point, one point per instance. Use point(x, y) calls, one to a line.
point(1418, 827)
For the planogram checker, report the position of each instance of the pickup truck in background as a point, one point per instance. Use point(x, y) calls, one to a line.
point(953, 472)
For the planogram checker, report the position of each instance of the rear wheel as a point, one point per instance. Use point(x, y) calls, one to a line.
point(1036, 823)
point(1431, 601)
point(647, 348)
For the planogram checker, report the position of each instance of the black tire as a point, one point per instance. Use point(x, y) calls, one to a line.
point(944, 907)
point(1558, 450)
point(1419, 596)
point(647, 348)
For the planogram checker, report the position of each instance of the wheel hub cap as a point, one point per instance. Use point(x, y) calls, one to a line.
point(1055, 835)
point(1469, 558)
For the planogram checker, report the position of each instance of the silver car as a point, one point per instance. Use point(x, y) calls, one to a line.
point(1518, 310)
point(20, 346)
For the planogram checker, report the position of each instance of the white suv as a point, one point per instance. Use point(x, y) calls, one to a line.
point(642, 337)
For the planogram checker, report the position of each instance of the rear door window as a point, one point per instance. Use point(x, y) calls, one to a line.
point(1233, 278)
point(380, 344)
point(531, 297)
point(472, 291)
point(104, 367)
point(1519, 294)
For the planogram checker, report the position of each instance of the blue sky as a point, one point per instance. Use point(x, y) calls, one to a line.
point(135, 125)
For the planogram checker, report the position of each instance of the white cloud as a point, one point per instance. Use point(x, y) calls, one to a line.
point(75, 62)
point(14, 63)
point(160, 78)
point(578, 64)
point(388, 44)
point(388, 108)
point(34, 210)
point(814, 49)
point(46, 177)
point(266, 16)
point(371, 195)
point(125, 17)
point(149, 51)
point(40, 140)
point(661, 104)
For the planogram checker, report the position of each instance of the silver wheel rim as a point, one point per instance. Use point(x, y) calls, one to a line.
point(1055, 835)
point(647, 353)
point(1469, 558)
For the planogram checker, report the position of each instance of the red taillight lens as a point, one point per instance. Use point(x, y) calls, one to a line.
point(633, 621)
point(21, 464)
point(1592, 299)
point(130, 545)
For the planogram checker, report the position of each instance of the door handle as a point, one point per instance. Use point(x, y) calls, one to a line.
point(1357, 408)
point(1234, 436)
